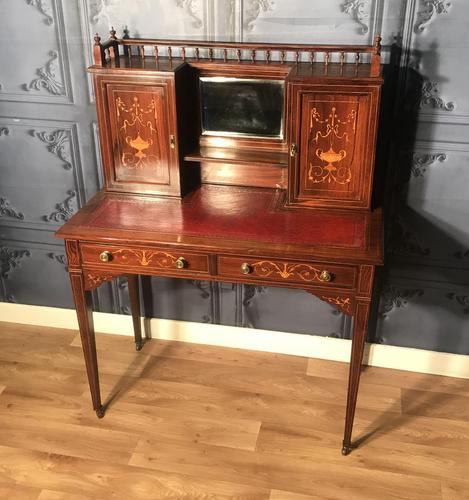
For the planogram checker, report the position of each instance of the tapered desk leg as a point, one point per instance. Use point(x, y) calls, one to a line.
point(147, 296)
point(134, 296)
point(85, 322)
point(147, 293)
point(358, 343)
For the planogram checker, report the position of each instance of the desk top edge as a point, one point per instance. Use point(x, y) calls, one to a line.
point(80, 227)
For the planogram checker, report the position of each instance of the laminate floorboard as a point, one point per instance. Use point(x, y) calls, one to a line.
point(269, 381)
point(109, 480)
point(60, 495)
point(389, 377)
point(204, 353)
point(456, 490)
point(378, 455)
point(16, 492)
point(287, 495)
point(435, 404)
point(200, 422)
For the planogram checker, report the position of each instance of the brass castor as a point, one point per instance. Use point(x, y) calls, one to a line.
point(139, 345)
point(346, 450)
point(100, 412)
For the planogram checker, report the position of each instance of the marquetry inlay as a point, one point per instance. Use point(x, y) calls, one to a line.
point(331, 144)
point(137, 123)
point(287, 270)
point(92, 280)
point(343, 303)
point(146, 257)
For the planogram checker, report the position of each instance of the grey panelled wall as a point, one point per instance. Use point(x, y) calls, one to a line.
point(49, 158)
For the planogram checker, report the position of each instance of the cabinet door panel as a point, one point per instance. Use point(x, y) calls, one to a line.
point(335, 133)
point(140, 133)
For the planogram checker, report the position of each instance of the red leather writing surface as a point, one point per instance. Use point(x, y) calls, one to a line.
point(247, 214)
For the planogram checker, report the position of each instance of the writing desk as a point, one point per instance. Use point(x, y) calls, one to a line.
point(222, 233)
point(226, 169)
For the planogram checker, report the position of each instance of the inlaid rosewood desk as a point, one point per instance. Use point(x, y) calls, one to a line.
point(279, 197)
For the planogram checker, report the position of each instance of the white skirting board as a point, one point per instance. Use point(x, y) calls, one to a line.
point(313, 346)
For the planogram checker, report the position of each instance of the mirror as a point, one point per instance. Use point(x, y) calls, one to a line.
point(242, 107)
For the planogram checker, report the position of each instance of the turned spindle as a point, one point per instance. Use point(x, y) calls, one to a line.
point(98, 51)
point(127, 48)
point(113, 45)
point(376, 57)
point(377, 45)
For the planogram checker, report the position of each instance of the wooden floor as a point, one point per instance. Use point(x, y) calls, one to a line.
point(188, 421)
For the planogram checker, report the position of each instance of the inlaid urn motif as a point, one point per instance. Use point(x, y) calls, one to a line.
point(332, 131)
point(137, 121)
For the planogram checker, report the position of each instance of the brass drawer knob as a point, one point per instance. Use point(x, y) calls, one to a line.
point(105, 256)
point(246, 268)
point(325, 276)
point(181, 263)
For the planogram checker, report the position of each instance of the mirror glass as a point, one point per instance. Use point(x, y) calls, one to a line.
point(241, 107)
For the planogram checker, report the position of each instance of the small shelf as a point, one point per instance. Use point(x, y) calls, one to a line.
point(246, 157)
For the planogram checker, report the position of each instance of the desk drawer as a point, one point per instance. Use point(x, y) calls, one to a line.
point(287, 271)
point(141, 259)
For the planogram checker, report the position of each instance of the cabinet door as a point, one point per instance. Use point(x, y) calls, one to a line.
point(139, 140)
point(333, 136)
